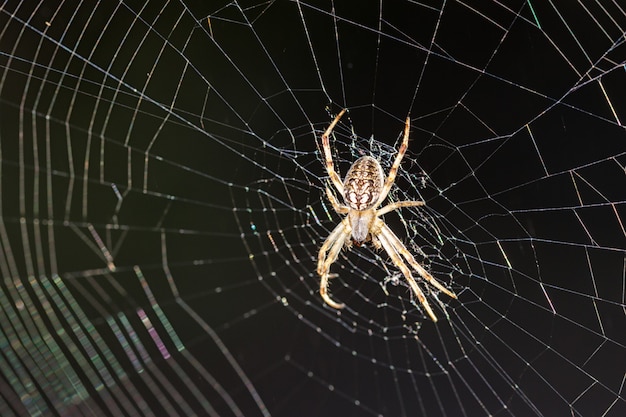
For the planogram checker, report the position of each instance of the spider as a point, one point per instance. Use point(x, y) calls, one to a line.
point(363, 190)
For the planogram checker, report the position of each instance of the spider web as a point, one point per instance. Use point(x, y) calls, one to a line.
point(163, 204)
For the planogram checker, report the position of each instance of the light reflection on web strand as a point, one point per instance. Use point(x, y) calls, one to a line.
point(102, 247)
point(46, 356)
point(160, 314)
point(154, 334)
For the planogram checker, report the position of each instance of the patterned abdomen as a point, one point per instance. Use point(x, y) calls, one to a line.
point(363, 183)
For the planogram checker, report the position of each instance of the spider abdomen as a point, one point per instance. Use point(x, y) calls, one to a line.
point(363, 183)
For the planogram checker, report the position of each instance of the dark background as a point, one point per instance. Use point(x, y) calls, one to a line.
point(163, 205)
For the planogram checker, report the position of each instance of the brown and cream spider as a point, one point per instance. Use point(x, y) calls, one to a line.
point(363, 190)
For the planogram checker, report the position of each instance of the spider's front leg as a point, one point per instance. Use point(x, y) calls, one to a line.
point(327, 255)
point(392, 251)
point(396, 250)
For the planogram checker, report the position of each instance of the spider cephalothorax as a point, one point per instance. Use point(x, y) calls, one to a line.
point(363, 190)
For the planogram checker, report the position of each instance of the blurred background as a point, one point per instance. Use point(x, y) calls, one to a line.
point(163, 205)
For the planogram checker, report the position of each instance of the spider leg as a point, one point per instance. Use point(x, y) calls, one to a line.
point(330, 167)
point(391, 177)
point(398, 204)
point(337, 206)
point(327, 255)
point(392, 251)
point(400, 248)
